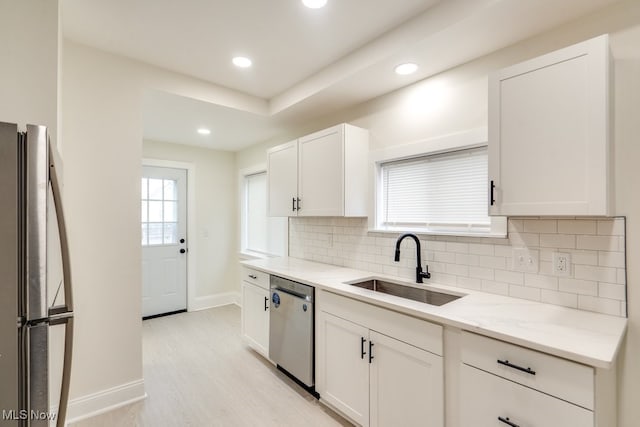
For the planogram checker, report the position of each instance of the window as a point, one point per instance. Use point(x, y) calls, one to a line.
point(444, 193)
point(159, 212)
point(261, 234)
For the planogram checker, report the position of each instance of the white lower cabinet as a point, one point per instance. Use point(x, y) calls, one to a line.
point(502, 384)
point(406, 384)
point(344, 367)
point(372, 378)
point(255, 317)
point(491, 401)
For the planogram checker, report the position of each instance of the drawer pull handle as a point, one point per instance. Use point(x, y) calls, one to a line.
point(253, 276)
point(370, 351)
point(362, 350)
point(519, 368)
point(507, 422)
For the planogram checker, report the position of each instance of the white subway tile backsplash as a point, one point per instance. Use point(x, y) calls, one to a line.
point(492, 261)
point(564, 299)
point(560, 241)
point(513, 277)
point(597, 280)
point(481, 273)
point(540, 226)
point(495, 287)
point(467, 259)
point(540, 281)
point(524, 292)
point(577, 226)
point(448, 257)
point(457, 269)
point(599, 274)
point(611, 259)
point(600, 305)
point(469, 283)
point(611, 228)
point(583, 287)
point(584, 257)
point(612, 291)
point(598, 243)
point(462, 248)
point(525, 239)
point(480, 249)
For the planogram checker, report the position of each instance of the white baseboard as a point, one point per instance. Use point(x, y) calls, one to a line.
point(106, 400)
point(215, 300)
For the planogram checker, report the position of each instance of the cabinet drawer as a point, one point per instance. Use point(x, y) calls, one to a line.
point(558, 377)
point(485, 397)
point(256, 277)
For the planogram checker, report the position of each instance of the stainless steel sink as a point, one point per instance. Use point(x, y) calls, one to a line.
point(406, 291)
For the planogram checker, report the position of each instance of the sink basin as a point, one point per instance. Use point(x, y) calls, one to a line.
point(408, 292)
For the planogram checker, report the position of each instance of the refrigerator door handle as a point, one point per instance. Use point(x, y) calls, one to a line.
point(62, 228)
point(66, 369)
point(62, 314)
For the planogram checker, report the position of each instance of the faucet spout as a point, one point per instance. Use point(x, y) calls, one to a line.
point(419, 273)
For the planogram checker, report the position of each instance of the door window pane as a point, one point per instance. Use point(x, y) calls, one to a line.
point(170, 192)
point(155, 211)
point(155, 233)
point(159, 211)
point(170, 233)
point(170, 211)
point(155, 189)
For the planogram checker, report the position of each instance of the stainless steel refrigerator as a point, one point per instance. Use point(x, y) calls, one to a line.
point(36, 308)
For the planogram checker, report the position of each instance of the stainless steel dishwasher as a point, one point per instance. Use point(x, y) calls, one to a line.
point(291, 328)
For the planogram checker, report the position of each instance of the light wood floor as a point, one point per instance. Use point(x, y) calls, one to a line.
point(198, 372)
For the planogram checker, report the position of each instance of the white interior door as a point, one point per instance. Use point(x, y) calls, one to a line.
point(164, 240)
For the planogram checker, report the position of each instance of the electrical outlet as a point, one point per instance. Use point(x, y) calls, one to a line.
point(561, 264)
point(525, 260)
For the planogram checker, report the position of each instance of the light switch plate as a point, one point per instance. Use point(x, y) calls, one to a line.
point(525, 260)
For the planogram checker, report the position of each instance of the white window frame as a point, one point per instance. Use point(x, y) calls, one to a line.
point(245, 252)
point(454, 142)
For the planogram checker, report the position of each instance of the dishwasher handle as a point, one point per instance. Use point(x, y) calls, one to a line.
point(292, 293)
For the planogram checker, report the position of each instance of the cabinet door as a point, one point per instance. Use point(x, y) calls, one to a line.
point(342, 370)
point(485, 397)
point(406, 384)
point(255, 317)
point(321, 173)
point(549, 133)
point(282, 174)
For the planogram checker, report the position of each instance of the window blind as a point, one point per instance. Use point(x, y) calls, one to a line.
point(438, 191)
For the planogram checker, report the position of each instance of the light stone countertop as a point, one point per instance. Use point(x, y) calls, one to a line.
point(581, 336)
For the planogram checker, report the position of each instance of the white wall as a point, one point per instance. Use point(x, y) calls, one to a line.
point(456, 101)
point(216, 218)
point(29, 71)
point(102, 153)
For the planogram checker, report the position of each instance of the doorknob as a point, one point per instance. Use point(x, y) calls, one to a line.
point(183, 251)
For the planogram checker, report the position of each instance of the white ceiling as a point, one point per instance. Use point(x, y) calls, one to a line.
point(306, 62)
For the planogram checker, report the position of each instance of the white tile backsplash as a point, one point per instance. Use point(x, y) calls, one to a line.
point(596, 281)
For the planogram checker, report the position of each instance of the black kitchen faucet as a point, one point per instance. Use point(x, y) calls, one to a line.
point(419, 273)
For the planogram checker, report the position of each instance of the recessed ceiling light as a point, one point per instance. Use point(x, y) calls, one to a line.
point(204, 131)
point(404, 69)
point(242, 62)
point(314, 4)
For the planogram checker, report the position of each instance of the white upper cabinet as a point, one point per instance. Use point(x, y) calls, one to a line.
point(331, 174)
point(549, 134)
point(282, 166)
